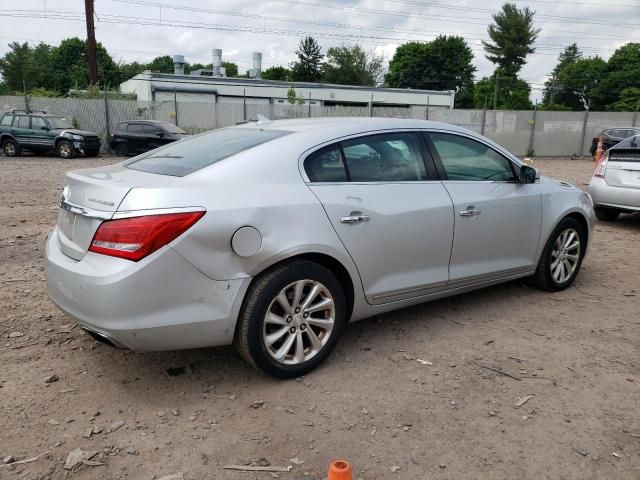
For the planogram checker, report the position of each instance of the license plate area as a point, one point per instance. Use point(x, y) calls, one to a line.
point(67, 223)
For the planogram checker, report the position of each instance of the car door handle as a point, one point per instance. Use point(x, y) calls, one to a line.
point(355, 219)
point(470, 212)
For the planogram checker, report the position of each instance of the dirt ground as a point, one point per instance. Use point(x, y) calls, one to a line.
point(373, 403)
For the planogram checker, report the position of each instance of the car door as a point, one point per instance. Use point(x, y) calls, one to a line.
point(21, 130)
point(497, 218)
point(388, 208)
point(41, 138)
point(154, 137)
point(136, 138)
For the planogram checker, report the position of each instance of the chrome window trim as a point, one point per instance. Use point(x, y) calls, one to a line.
point(500, 150)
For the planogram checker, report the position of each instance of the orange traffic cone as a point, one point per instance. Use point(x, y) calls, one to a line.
point(339, 470)
point(599, 150)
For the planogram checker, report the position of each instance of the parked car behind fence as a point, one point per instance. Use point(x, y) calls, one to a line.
point(39, 132)
point(139, 136)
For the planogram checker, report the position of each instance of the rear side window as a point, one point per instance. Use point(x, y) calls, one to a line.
point(22, 121)
point(135, 128)
point(6, 120)
point(393, 157)
point(187, 156)
point(122, 127)
point(326, 165)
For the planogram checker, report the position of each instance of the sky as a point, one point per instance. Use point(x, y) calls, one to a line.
point(143, 29)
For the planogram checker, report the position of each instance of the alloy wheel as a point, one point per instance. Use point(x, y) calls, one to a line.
point(64, 150)
point(565, 255)
point(299, 322)
point(9, 149)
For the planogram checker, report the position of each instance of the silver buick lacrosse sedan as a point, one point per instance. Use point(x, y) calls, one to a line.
point(273, 235)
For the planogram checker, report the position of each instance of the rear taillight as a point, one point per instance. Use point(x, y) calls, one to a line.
point(601, 166)
point(136, 237)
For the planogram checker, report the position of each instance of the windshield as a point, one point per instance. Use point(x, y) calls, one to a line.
point(171, 128)
point(193, 153)
point(59, 122)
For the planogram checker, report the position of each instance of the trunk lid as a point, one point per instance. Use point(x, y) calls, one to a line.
point(91, 196)
point(623, 168)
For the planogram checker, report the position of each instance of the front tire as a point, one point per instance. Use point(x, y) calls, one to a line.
point(606, 214)
point(10, 148)
point(562, 257)
point(291, 319)
point(121, 150)
point(65, 149)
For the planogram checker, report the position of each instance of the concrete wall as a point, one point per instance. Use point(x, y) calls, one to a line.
point(554, 133)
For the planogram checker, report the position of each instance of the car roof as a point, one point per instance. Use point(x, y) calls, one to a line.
point(155, 122)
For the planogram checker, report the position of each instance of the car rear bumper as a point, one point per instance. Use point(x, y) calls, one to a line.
point(160, 303)
point(605, 195)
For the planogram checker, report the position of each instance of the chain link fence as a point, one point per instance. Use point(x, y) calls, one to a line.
point(539, 133)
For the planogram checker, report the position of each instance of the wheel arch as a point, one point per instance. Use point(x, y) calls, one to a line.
point(330, 263)
point(581, 219)
point(7, 136)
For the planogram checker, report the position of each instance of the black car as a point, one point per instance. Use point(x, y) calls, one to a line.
point(611, 137)
point(39, 132)
point(139, 136)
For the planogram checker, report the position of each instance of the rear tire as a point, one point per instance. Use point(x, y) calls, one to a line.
point(606, 214)
point(64, 149)
point(562, 257)
point(290, 339)
point(10, 148)
point(121, 150)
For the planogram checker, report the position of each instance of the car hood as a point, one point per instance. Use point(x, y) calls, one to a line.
point(75, 131)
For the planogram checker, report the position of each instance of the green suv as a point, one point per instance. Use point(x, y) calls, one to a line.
point(41, 133)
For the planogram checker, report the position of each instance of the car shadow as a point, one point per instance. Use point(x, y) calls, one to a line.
point(224, 371)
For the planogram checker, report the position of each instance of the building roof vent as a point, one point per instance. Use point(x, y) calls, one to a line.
point(178, 64)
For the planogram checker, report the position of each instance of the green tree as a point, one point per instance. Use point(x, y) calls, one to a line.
point(628, 102)
point(70, 60)
point(623, 71)
point(231, 69)
point(163, 64)
point(512, 38)
point(442, 64)
point(292, 96)
point(308, 66)
point(554, 92)
point(582, 79)
point(352, 66)
point(16, 66)
point(277, 73)
point(513, 93)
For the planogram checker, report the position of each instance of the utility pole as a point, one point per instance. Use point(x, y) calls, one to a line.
point(91, 42)
point(495, 91)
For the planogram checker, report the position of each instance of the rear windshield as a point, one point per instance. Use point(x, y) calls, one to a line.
point(626, 151)
point(193, 153)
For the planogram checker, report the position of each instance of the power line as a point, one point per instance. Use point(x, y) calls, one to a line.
point(313, 22)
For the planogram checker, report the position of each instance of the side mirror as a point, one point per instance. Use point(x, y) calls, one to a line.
point(160, 134)
point(45, 128)
point(527, 174)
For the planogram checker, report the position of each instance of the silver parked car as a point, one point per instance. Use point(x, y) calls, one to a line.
point(615, 185)
point(274, 235)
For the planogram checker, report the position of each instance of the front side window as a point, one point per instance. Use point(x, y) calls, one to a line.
point(22, 121)
point(326, 165)
point(135, 128)
point(467, 159)
point(6, 120)
point(392, 157)
point(150, 130)
point(37, 123)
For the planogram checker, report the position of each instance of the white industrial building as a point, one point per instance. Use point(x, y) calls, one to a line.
point(212, 86)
